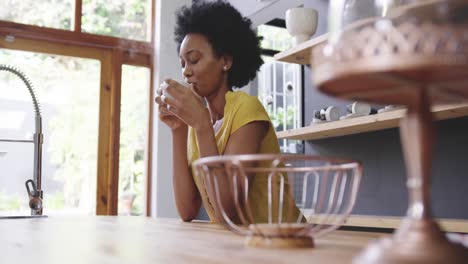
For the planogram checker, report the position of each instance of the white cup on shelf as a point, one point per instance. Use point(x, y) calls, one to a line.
point(301, 23)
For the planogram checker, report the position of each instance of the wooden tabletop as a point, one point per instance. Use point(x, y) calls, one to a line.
point(148, 240)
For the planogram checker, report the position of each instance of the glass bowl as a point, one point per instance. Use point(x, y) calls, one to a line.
point(279, 200)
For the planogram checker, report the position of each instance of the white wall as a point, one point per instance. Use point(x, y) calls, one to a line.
point(166, 64)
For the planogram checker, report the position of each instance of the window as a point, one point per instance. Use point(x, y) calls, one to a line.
point(78, 49)
point(275, 36)
point(133, 140)
point(67, 90)
point(280, 84)
point(130, 19)
point(44, 13)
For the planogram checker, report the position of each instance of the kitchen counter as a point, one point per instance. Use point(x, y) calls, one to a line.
point(107, 239)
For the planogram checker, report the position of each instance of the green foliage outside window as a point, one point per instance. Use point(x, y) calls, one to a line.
point(274, 38)
point(120, 18)
point(9, 202)
point(130, 19)
point(44, 13)
point(283, 118)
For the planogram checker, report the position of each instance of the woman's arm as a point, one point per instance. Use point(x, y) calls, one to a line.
point(206, 138)
point(245, 140)
point(187, 197)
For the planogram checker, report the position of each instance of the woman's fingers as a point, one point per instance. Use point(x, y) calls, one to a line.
point(159, 100)
point(168, 92)
point(167, 109)
point(163, 110)
point(170, 102)
point(159, 91)
point(165, 101)
point(181, 101)
point(173, 110)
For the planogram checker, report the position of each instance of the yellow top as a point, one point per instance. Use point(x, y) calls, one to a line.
point(241, 109)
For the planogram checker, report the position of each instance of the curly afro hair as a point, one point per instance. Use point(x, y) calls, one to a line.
point(228, 32)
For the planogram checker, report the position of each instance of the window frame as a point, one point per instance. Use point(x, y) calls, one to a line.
point(112, 52)
point(281, 23)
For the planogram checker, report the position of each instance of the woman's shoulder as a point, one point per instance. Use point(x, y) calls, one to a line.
point(244, 108)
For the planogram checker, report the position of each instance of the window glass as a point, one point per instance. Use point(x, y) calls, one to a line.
point(44, 13)
point(67, 90)
point(133, 140)
point(274, 38)
point(130, 19)
point(280, 91)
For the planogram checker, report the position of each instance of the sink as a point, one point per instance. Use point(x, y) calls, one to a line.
point(22, 216)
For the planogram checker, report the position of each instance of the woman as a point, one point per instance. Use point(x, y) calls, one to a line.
point(218, 51)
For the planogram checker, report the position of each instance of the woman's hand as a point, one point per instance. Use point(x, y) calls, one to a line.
point(187, 105)
point(168, 118)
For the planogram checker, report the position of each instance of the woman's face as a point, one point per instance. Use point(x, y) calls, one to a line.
point(200, 65)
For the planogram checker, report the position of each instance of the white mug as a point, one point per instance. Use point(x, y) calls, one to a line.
point(163, 87)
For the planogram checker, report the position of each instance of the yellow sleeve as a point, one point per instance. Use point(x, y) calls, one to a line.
point(248, 110)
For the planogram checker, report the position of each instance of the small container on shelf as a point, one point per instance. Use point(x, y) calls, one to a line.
point(390, 108)
point(330, 113)
point(357, 109)
point(301, 23)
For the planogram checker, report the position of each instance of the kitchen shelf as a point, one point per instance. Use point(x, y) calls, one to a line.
point(375, 221)
point(368, 123)
point(301, 53)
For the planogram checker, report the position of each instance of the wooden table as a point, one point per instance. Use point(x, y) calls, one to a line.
point(148, 240)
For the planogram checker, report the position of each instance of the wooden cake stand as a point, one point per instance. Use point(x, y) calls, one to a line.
point(415, 63)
